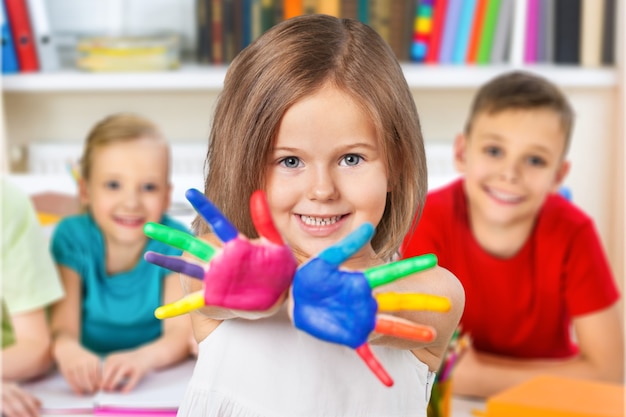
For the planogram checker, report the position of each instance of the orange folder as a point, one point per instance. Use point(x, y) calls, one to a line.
point(551, 396)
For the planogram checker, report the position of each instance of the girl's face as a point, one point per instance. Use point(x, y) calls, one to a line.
point(512, 160)
point(127, 188)
point(326, 174)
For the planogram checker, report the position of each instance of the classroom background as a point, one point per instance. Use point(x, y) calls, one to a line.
point(166, 60)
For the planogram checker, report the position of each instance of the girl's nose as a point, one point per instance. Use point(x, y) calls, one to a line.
point(323, 186)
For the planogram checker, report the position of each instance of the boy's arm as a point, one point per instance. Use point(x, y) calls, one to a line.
point(30, 355)
point(601, 357)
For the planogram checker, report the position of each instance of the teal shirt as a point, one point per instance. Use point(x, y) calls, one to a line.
point(118, 309)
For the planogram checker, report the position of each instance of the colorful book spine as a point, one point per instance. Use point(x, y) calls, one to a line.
point(422, 30)
point(22, 33)
point(608, 33)
point(292, 8)
point(567, 31)
point(477, 31)
point(545, 32)
point(463, 33)
point(449, 31)
point(440, 10)
point(532, 29)
point(488, 32)
point(591, 33)
point(9, 57)
point(363, 11)
point(502, 36)
point(518, 35)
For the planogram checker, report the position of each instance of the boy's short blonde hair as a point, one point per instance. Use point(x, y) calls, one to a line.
point(520, 90)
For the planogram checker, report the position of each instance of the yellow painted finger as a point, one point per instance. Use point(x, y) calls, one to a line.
point(186, 304)
point(392, 301)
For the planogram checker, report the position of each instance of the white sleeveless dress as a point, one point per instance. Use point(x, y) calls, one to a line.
point(268, 368)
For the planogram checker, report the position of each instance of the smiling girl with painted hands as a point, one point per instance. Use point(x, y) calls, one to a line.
point(337, 151)
point(105, 333)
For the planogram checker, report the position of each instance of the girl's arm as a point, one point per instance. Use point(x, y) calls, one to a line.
point(435, 281)
point(601, 357)
point(123, 370)
point(30, 355)
point(80, 367)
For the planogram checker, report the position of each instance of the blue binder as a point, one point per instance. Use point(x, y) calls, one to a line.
point(9, 57)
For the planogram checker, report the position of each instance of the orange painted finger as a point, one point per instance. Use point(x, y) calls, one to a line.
point(404, 330)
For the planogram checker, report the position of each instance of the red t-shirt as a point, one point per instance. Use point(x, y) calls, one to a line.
point(521, 306)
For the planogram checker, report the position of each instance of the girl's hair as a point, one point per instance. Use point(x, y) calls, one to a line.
point(520, 90)
point(291, 61)
point(119, 127)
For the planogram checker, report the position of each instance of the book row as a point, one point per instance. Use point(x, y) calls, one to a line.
point(568, 32)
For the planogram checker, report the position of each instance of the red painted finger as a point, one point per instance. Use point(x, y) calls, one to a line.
point(262, 218)
point(411, 331)
point(370, 360)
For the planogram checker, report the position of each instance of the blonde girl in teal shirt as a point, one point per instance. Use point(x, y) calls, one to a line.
point(110, 289)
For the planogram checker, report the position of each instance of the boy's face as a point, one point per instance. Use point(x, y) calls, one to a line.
point(511, 161)
point(327, 173)
point(128, 187)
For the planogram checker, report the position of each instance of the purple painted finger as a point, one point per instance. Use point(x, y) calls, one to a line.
point(176, 264)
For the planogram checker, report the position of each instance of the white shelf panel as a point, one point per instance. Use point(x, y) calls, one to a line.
point(198, 78)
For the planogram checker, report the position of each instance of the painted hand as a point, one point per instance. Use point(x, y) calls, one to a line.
point(242, 275)
point(338, 306)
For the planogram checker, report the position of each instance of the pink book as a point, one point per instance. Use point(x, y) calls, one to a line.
point(532, 29)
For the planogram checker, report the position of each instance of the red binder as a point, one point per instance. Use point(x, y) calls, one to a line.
point(17, 12)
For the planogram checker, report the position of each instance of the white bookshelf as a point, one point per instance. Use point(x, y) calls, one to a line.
point(192, 77)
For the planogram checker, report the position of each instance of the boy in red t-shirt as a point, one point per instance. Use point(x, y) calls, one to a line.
point(540, 296)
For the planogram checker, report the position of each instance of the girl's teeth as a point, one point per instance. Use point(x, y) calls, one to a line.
point(319, 221)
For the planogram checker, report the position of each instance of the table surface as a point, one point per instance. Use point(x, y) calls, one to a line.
point(461, 407)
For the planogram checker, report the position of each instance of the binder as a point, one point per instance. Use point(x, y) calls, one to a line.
point(552, 396)
point(43, 38)
point(21, 31)
point(9, 58)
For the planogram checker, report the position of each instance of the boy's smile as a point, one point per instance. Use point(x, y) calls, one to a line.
point(326, 174)
point(511, 160)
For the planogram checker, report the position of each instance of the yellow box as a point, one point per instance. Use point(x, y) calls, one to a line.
point(110, 54)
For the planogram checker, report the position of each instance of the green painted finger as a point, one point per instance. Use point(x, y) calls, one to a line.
point(384, 274)
point(180, 240)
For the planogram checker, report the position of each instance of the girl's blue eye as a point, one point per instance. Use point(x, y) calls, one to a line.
point(351, 160)
point(290, 162)
point(112, 185)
